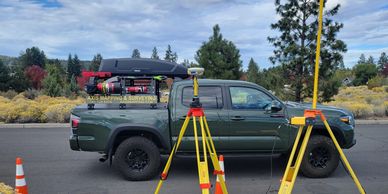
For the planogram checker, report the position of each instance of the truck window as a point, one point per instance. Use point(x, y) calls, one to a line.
point(210, 96)
point(248, 98)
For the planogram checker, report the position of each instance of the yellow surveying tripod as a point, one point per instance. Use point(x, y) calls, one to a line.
point(195, 111)
point(309, 119)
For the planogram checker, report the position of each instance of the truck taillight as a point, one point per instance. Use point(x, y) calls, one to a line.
point(74, 121)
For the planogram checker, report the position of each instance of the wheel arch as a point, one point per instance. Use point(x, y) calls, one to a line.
point(121, 133)
point(321, 130)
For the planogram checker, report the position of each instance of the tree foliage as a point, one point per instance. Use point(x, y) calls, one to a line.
point(364, 72)
point(32, 56)
point(19, 81)
point(295, 46)
point(170, 56)
point(370, 60)
point(253, 72)
point(383, 61)
point(136, 53)
point(73, 67)
point(219, 57)
point(96, 61)
point(35, 74)
point(362, 59)
point(154, 53)
point(53, 82)
point(4, 77)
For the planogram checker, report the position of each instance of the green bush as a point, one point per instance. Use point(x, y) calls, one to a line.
point(377, 81)
point(9, 94)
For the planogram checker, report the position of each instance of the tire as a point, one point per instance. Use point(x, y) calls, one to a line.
point(321, 157)
point(138, 159)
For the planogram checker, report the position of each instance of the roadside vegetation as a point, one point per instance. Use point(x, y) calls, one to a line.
point(363, 102)
point(20, 109)
point(5, 189)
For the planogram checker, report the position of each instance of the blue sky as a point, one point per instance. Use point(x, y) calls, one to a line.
point(115, 27)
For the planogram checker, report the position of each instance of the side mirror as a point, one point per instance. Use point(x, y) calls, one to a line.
point(276, 106)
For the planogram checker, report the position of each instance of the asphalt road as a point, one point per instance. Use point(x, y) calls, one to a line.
point(51, 167)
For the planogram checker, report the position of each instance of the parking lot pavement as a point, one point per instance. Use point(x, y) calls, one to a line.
point(51, 167)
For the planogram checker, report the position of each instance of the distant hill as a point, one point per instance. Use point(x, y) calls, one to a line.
point(7, 60)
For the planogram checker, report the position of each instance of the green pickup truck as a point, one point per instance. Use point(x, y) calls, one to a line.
point(243, 118)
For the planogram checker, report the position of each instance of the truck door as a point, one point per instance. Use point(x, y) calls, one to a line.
point(213, 102)
point(252, 125)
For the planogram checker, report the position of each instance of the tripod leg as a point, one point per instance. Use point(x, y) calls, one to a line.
point(288, 185)
point(344, 159)
point(291, 169)
point(213, 155)
point(203, 172)
point(173, 151)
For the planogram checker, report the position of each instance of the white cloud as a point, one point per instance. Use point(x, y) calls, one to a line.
point(114, 28)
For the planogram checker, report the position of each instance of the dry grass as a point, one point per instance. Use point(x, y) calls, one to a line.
point(42, 109)
point(363, 102)
point(5, 189)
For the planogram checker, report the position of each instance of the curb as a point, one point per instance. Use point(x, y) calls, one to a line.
point(35, 125)
point(371, 122)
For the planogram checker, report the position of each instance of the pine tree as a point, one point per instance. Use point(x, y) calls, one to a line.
point(383, 60)
point(19, 81)
point(53, 82)
point(362, 59)
point(186, 63)
point(219, 57)
point(174, 57)
point(95, 65)
point(4, 77)
point(169, 54)
point(73, 85)
point(136, 53)
point(295, 47)
point(73, 67)
point(154, 53)
point(70, 67)
point(370, 60)
point(32, 56)
point(253, 71)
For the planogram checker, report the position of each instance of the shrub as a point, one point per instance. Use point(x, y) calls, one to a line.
point(9, 94)
point(41, 109)
point(59, 112)
point(376, 81)
point(362, 101)
point(5, 189)
point(386, 107)
point(31, 94)
point(23, 111)
point(4, 106)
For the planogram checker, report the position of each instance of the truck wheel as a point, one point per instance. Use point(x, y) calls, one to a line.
point(321, 157)
point(138, 159)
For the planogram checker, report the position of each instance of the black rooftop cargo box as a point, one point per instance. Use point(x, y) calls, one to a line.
point(142, 67)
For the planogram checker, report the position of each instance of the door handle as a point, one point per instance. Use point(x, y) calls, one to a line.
point(237, 118)
point(277, 115)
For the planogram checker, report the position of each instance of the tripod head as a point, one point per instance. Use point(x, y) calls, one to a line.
point(195, 72)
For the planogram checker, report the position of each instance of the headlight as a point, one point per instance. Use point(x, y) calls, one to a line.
point(346, 119)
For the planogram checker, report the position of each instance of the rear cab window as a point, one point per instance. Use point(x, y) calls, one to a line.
point(210, 96)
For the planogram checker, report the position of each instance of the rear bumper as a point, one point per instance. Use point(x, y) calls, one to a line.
point(73, 140)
